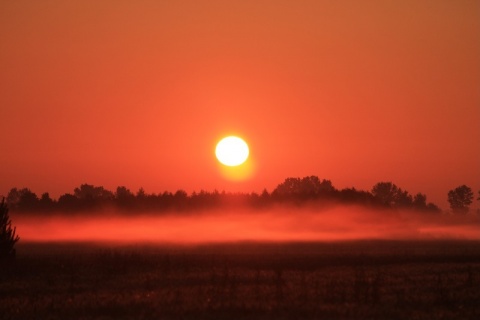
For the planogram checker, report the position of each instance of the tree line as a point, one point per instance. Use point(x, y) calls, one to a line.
point(296, 191)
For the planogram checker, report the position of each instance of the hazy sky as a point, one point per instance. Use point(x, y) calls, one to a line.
point(137, 93)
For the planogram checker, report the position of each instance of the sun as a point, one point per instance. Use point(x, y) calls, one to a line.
point(232, 151)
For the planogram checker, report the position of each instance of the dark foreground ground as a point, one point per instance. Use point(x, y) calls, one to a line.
point(343, 280)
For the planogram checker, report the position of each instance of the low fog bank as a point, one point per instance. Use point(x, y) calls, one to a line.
point(280, 224)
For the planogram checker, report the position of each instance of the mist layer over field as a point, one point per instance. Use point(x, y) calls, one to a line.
point(282, 224)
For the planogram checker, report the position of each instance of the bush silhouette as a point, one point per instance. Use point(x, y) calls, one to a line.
point(7, 234)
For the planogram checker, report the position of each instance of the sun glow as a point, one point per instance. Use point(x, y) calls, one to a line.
point(232, 151)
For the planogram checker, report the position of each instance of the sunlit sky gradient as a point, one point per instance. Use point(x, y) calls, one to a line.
point(137, 93)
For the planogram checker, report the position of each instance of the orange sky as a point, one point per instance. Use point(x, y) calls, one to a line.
point(137, 93)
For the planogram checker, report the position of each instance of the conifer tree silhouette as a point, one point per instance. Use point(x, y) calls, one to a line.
point(7, 234)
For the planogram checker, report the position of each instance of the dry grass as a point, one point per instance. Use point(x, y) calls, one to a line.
point(394, 280)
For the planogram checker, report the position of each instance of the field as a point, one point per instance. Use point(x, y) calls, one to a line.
point(340, 280)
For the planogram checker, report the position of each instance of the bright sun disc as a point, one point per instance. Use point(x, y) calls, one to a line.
point(232, 151)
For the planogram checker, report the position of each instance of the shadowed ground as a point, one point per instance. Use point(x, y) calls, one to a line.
point(346, 280)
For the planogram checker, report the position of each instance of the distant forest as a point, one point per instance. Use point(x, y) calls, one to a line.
point(293, 191)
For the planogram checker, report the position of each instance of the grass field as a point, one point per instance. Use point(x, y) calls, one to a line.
point(340, 280)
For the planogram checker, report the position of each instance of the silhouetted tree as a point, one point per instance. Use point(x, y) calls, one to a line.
point(180, 194)
point(307, 187)
point(385, 193)
point(264, 198)
point(289, 187)
point(13, 198)
point(45, 202)
point(68, 202)
point(141, 199)
point(91, 196)
point(8, 238)
point(266, 195)
point(460, 199)
point(478, 199)
point(297, 190)
point(403, 199)
point(123, 193)
point(433, 207)
point(388, 194)
point(124, 198)
point(87, 192)
point(162, 201)
point(420, 201)
point(202, 199)
point(22, 199)
point(141, 194)
point(180, 199)
point(352, 195)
